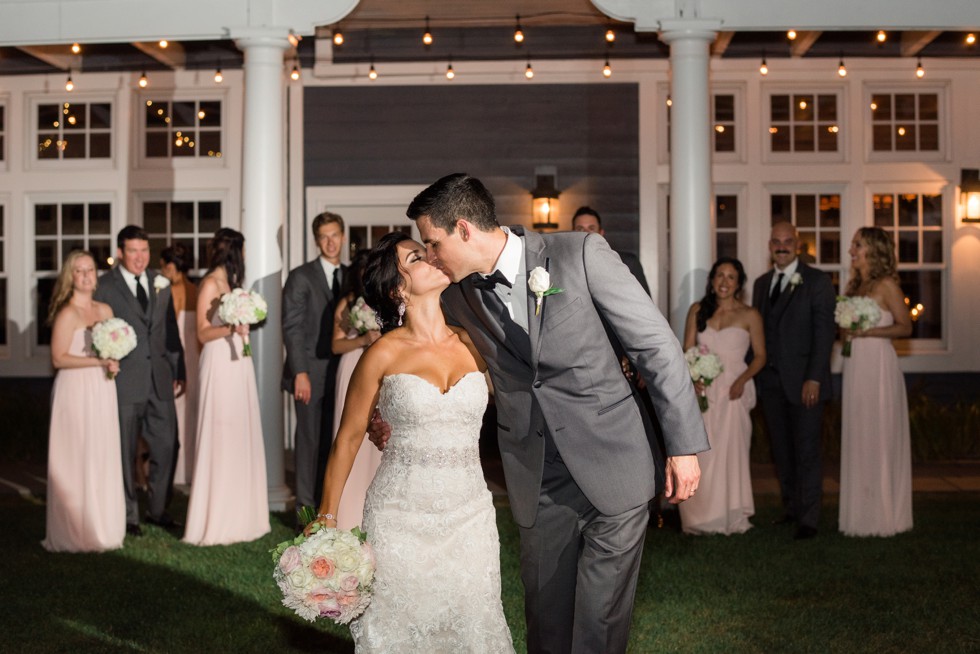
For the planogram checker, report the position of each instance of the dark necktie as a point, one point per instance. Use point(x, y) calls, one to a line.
point(335, 284)
point(777, 289)
point(141, 295)
point(490, 282)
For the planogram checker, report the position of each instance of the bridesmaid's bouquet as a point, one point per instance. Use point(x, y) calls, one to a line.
point(363, 318)
point(327, 574)
point(855, 314)
point(113, 338)
point(704, 367)
point(241, 307)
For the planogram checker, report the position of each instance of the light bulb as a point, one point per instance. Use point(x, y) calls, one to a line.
point(971, 38)
point(427, 36)
point(69, 85)
point(610, 35)
point(295, 74)
point(450, 73)
point(338, 37)
point(670, 103)
point(763, 68)
point(75, 48)
point(164, 43)
point(841, 69)
point(143, 82)
point(791, 34)
point(372, 74)
point(529, 72)
point(881, 36)
point(218, 77)
point(920, 72)
point(607, 70)
point(518, 32)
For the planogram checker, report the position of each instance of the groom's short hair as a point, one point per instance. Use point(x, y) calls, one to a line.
point(453, 197)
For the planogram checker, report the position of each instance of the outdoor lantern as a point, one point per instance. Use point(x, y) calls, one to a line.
point(544, 199)
point(970, 195)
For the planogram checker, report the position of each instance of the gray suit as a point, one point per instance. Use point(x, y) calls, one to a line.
point(307, 333)
point(577, 459)
point(800, 333)
point(145, 387)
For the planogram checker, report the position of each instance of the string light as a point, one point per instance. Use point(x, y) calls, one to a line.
point(338, 37)
point(920, 72)
point(841, 69)
point(607, 69)
point(791, 35)
point(763, 68)
point(164, 43)
point(529, 71)
point(670, 103)
point(881, 36)
point(427, 37)
point(75, 48)
point(69, 85)
point(450, 73)
point(610, 35)
point(143, 80)
point(218, 77)
point(518, 32)
point(372, 73)
point(295, 74)
point(971, 38)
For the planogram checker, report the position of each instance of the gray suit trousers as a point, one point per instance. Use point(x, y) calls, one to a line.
point(156, 421)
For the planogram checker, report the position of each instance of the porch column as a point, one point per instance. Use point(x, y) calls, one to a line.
point(690, 163)
point(263, 208)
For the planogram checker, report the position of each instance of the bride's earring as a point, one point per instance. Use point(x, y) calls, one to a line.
point(401, 312)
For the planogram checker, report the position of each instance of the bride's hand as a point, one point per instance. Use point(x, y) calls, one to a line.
point(321, 520)
point(379, 431)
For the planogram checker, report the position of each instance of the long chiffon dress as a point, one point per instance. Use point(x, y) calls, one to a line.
point(723, 503)
point(86, 510)
point(351, 509)
point(229, 499)
point(186, 404)
point(876, 450)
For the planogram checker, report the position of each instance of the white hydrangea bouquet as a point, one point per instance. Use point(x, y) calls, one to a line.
point(363, 318)
point(704, 367)
point(113, 338)
point(327, 574)
point(241, 307)
point(855, 314)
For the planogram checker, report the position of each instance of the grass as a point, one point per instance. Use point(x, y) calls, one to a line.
point(758, 592)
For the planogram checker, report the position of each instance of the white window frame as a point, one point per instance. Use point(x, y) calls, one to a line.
point(740, 192)
point(839, 90)
point(941, 89)
point(817, 190)
point(213, 195)
point(171, 162)
point(740, 124)
point(34, 101)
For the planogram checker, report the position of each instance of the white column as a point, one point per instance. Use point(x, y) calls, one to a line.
point(690, 163)
point(263, 209)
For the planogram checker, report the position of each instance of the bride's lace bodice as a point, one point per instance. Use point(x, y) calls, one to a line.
point(431, 520)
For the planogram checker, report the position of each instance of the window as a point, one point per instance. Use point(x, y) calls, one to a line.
point(726, 226)
point(915, 221)
point(3, 279)
point(723, 120)
point(189, 128)
point(72, 130)
point(362, 236)
point(3, 132)
point(192, 223)
point(803, 122)
point(905, 122)
point(817, 220)
point(59, 229)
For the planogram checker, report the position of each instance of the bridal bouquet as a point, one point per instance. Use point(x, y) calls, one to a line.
point(327, 574)
point(855, 314)
point(241, 307)
point(113, 338)
point(705, 368)
point(362, 317)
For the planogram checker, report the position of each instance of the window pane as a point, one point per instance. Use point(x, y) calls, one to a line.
point(827, 107)
point(156, 247)
point(184, 115)
point(47, 145)
point(928, 106)
point(827, 138)
point(932, 210)
point(202, 253)
point(932, 247)
point(209, 144)
point(882, 139)
point(378, 232)
point(48, 116)
point(100, 116)
point(726, 211)
point(1, 118)
point(829, 211)
point(45, 288)
point(74, 115)
point(724, 139)
point(908, 210)
point(725, 108)
point(101, 249)
point(806, 211)
point(211, 114)
point(69, 245)
point(157, 144)
point(155, 217)
point(74, 147)
point(781, 209)
point(905, 137)
point(209, 217)
point(807, 247)
point(908, 247)
point(45, 255)
point(803, 138)
point(779, 107)
point(881, 107)
point(100, 146)
point(924, 287)
point(3, 311)
point(357, 239)
point(727, 244)
point(830, 247)
point(904, 106)
point(929, 137)
point(99, 218)
point(182, 144)
point(803, 108)
point(45, 219)
point(157, 114)
point(182, 217)
point(780, 138)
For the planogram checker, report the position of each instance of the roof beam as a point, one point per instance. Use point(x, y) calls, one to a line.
point(173, 56)
point(914, 42)
point(56, 56)
point(803, 42)
point(721, 43)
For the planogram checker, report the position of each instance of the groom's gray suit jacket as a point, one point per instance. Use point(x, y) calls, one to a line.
point(567, 381)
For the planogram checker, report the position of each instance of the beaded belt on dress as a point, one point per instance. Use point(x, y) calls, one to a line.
point(434, 458)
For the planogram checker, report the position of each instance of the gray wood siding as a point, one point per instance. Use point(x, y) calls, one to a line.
point(414, 135)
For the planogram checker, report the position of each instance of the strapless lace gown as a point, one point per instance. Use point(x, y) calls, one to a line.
point(430, 517)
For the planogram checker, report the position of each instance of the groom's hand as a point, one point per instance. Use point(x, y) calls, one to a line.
point(379, 431)
point(683, 476)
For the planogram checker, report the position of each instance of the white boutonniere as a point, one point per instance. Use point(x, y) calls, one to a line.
point(795, 280)
point(160, 282)
point(539, 281)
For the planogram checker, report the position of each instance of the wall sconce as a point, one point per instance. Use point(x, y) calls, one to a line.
point(544, 199)
point(970, 194)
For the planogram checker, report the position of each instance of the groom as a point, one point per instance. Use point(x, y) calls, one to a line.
point(577, 459)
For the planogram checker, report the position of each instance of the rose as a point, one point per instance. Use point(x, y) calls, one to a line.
point(322, 567)
point(290, 560)
point(299, 578)
point(539, 281)
point(795, 279)
point(348, 560)
point(160, 282)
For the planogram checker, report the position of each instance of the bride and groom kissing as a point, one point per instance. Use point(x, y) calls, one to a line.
point(579, 463)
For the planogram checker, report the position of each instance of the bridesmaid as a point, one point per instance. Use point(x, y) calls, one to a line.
point(349, 345)
point(876, 450)
point(229, 499)
point(175, 263)
point(726, 326)
point(86, 511)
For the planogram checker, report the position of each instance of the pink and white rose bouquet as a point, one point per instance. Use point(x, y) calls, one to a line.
point(241, 307)
point(855, 314)
point(362, 317)
point(113, 338)
point(704, 367)
point(327, 574)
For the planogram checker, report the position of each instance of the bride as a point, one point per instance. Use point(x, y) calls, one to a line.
point(428, 513)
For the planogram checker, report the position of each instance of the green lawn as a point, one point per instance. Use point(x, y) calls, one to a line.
point(759, 592)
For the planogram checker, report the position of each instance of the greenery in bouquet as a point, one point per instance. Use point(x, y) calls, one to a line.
point(704, 367)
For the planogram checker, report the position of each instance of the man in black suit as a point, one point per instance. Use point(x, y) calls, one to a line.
point(149, 376)
point(797, 307)
point(310, 371)
point(587, 219)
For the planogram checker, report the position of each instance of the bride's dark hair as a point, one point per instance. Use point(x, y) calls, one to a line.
point(383, 280)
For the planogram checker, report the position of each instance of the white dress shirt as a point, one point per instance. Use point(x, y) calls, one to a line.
point(511, 265)
point(788, 272)
point(328, 269)
point(131, 281)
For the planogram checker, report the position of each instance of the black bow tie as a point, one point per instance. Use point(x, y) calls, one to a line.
point(489, 282)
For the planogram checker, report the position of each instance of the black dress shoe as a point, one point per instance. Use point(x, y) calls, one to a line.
point(804, 533)
point(165, 521)
point(785, 519)
point(133, 530)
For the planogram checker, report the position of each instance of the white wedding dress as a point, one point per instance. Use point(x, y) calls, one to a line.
point(431, 521)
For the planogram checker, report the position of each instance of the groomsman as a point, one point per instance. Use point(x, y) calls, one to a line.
point(587, 219)
point(797, 307)
point(149, 377)
point(310, 370)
